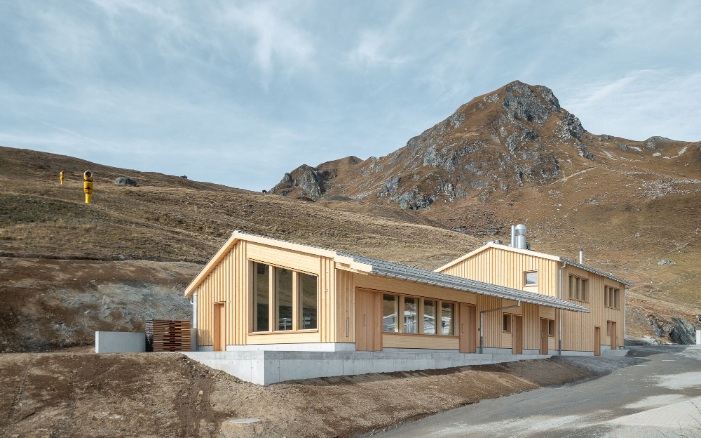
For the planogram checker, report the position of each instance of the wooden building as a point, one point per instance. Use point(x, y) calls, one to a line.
point(264, 293)
point(520, 268)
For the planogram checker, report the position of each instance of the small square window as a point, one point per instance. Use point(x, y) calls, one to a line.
point(531, 278)
point(506, 323)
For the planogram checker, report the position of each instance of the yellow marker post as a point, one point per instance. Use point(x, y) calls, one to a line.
point(60, 177)
point(87, 186)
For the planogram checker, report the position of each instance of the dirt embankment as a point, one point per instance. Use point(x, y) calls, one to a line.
point(49, 304)
point(166, 394)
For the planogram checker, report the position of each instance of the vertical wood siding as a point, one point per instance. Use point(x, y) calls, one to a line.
point(506, 268)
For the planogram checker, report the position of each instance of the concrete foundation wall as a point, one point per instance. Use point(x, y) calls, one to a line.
point(310, 346)
point(268, 367)
point(120, 342)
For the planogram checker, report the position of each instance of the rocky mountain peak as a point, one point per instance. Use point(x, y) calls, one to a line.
point(500, 141)
point(529, 103)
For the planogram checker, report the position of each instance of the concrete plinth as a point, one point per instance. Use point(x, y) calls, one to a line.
point(268, 367)
point(119, 342)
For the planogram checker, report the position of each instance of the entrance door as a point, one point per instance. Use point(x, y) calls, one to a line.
point(219, 341)
point(614, 340)
point(544, 336)
point(468, 343)
point(597, 341)
point(368, 320)
point(517, 335)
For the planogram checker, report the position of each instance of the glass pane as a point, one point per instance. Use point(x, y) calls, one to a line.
point(531, 278)
point(307, 300)
point(261, 297)
point(283, 296)
point(390, 313)
point(429, 317)
point(447, 324)
point(410, 320)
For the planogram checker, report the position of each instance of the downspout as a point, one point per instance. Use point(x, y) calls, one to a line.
point(559, 311)
point(518, 304)
point(624, 316)
point(193, 329)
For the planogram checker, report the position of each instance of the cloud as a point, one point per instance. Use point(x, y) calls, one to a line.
point(279, 44)
point(639, 104)
point(378, 46)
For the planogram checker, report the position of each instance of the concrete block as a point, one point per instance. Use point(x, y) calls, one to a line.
point(120, 342)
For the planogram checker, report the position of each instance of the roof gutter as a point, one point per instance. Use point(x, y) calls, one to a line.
point(518, 304)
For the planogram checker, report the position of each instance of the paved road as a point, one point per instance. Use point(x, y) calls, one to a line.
point(652, 392)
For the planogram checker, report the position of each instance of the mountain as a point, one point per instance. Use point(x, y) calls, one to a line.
point(515, 155)
point(497, 143)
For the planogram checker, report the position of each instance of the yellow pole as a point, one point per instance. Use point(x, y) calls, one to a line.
point(60, 176)
point(87, 186)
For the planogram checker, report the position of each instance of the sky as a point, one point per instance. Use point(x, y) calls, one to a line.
point(240, 92)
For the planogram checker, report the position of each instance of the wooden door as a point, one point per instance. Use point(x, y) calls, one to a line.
point(517, 334)
point(368, 320)
point(597, 341)
point(219, 342)
point(468, 332)
point(614, 340)
point(544, 336)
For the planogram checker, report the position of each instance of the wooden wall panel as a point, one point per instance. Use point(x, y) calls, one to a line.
point(283, 338)
point(345, 307)
point(286, 258)
point(507, 268)
point(390, 340)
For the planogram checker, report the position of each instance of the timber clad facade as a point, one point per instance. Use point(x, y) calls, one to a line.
point(600, 293)
point(259, 291)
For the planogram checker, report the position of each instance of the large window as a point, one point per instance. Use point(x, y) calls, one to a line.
point(579, 289)
point(612, 297)
point(261, 297)
point(411, 320)
point(415, 315)
point(429, 317)
point(306, 286)
point(448, 319)
point(390, 313)
point(290, 298)
point(283, 293)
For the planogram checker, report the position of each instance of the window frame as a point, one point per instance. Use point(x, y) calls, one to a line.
point(506, 323)
point(578, 288)
point(273, 301)
point(551, 328)
point(400, 300)
point(612, 297)
point(525, 278)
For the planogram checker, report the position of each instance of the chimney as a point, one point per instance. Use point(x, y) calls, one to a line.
point(581, 256)
point(519, 232)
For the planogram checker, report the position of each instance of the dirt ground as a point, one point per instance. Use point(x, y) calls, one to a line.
point(82, 394)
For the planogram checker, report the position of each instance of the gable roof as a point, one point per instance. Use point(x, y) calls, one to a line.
point(533, 254)
point(370, 266)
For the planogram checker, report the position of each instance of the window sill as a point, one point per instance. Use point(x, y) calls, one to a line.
point(283, 332)
point(420, 334)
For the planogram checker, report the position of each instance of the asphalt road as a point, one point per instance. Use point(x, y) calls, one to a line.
point(655, 391)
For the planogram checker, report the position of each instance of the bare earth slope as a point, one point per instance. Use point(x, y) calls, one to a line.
point(515, 156)
point(166, 394)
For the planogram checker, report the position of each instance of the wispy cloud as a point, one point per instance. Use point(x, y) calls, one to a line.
point(639, 104)
point(279, 44)
point(381, 46)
